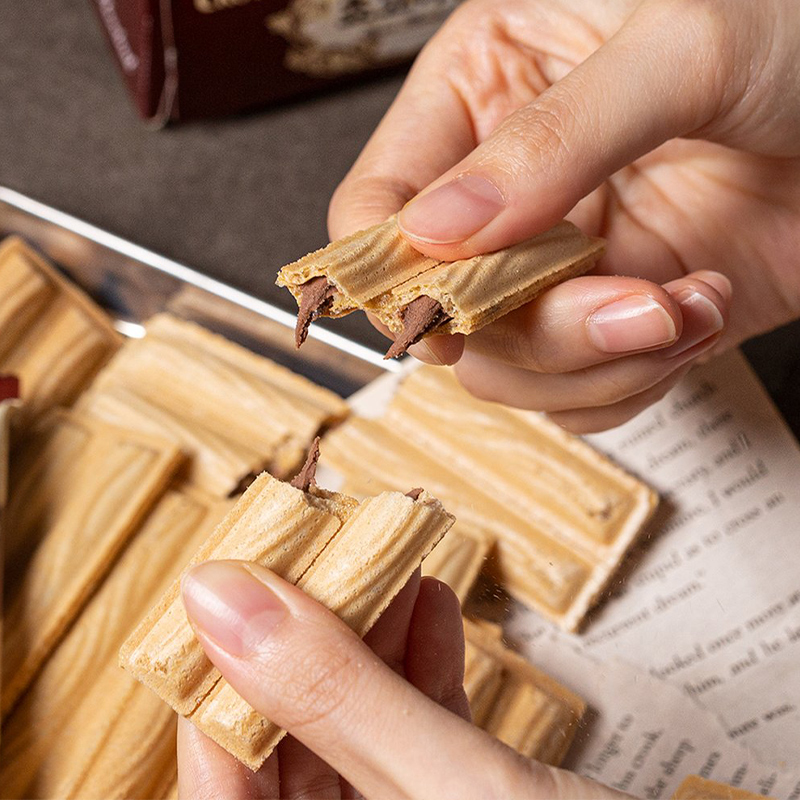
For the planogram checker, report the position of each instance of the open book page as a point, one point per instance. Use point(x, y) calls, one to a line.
point(691, 665)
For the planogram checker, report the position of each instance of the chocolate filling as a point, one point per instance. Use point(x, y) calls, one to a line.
point(415, 493)
point(9, 387)
point(316, 297)
point(422, 315)
point(304, 479)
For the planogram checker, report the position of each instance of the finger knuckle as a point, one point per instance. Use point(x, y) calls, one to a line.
point(700, 35)
point(548, 124)
point(318, 686)
point(606, 389)
point(476, 386)
point(326, 785)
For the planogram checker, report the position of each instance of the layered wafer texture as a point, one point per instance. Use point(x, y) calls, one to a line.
point(516, 702)
point(84, 728)
point(693, 787)
point(377, 270)
point(351, 557)
point(78, 491)
point(233, 412)
point(52, 336)
point(476, 291)
point(363, 268)
point(562, 515)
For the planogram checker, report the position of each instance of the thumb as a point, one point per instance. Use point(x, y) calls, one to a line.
point(300, 666)
point(662, 75)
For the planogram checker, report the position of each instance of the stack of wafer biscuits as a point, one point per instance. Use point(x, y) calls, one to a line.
point(79, 490)
point(562, 515)
point(352, 557)
point(693, 787)
point(84, 728)
point(233, 412)
point(516, 702)
point(377, 270)
point(52, 337)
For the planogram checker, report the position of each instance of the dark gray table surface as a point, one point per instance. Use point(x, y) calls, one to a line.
point(235, 198)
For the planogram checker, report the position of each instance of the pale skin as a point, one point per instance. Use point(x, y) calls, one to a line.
point(384, 719)
point(553, 108)
point(671, 128)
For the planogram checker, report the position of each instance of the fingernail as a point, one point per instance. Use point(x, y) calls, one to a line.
point(637, 322)
point(452, 212)
point(422, 352)
point(701, 320)
point(229, 605)
point(719, 282)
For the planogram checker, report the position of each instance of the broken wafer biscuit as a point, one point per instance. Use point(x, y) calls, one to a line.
point(236, 413)
point(563, 515)
point(458, 558)
point(515, 701)
point(79, 490)
point(693, 787)
point(84, 722)
point(351, 273)
point(351, 557)
point(51, 334)
point(377, 270)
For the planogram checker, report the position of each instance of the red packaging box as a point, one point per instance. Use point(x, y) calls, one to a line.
point(188, 59)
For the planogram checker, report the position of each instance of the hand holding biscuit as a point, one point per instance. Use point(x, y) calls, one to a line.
point(668, 128)
point(385, 721)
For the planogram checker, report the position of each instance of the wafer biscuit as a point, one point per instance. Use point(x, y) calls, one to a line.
point(563, 515)
point(351, 557)
point(172, 381)
point(378, 271)
point(458, 558)
point(515, 701)
point(274, 525)
point(483, 677)
point(476, 291)
point(51, 334)
point(693, 787)
point(76, 719)
point(356, 576)
point(82, 490)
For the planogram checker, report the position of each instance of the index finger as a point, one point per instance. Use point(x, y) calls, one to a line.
point(426, 130)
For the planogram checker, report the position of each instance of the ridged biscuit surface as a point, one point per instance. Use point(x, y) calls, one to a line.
point(562, 515)
point(74, 722)
point(79, 494)
point(51, 334)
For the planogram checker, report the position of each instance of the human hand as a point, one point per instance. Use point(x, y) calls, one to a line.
point(521, 112)
point(387, 722)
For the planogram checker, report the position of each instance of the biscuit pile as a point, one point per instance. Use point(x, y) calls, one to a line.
point(128, 463)
point(561, 515)
point(123, 457)
point(352, 557)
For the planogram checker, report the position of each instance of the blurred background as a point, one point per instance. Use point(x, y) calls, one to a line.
point(235, 197)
